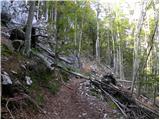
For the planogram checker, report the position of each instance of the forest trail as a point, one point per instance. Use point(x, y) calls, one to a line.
point(73, 101)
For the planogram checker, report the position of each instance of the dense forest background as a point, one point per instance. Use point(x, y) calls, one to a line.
point(121, 35)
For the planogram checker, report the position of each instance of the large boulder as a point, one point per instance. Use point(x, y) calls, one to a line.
point(5, 18)
point(19, 34)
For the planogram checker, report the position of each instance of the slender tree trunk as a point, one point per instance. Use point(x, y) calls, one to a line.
point(94, 44)
point(80, 42)
point(136, 59)
point(97, 40)
point(75, 31)
point(109, 57)
point(114, 53)
point(27, 45)
point(146, 60)
point(121, 73)
point(46, 11)
point(38, 10)
point(55, 30)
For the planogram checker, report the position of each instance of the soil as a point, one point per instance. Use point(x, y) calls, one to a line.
point(74, 102)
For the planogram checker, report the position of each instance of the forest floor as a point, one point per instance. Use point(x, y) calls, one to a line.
point(73, 101)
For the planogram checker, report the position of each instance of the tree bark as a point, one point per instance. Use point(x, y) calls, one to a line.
point(75, 31)
point(97, 40)
point(28, 31)
point(55, 31)
point(136, 59)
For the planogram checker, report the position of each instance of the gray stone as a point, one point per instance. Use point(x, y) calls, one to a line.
point(6, 80)
point(28, 80)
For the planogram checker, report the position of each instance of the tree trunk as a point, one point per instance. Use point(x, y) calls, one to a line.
point(37, 15)
point(55, 31)
point(121, 73)
point(75, 31)
point(46, 11)
point(80, 38)
point(27, 45)
point(97, 40)
point(136, 59)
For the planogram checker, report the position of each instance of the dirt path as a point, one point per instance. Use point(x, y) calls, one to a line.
point(75, 103)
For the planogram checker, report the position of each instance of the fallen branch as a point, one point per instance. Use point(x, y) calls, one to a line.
point(116, 102)
point(34, 102)
point(71, 72)
point(23, 96)
point(146, 107)
point(124, 81)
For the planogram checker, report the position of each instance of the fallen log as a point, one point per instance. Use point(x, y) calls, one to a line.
point(116, 103)
point(71, 72)
point(123, 99)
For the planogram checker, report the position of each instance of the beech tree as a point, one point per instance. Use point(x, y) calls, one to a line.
point(27, 45)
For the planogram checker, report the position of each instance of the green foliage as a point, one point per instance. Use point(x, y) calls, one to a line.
point(54, 87)
point(117, 31)
point(39, 99)
point(113, 106)
point(5, 51)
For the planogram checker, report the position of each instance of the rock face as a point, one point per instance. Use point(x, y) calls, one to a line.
point(18, 11)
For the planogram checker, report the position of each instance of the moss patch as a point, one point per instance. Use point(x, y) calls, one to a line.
point(5, 51)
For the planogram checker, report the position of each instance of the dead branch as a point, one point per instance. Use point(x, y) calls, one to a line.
point(146, 107)
point(127, 81)
point(34, 102)
point(116, 103)
point(8, 108)
point(71, 72)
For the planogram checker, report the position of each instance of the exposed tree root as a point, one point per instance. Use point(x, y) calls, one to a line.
point(22, 97)
point(8, 108)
